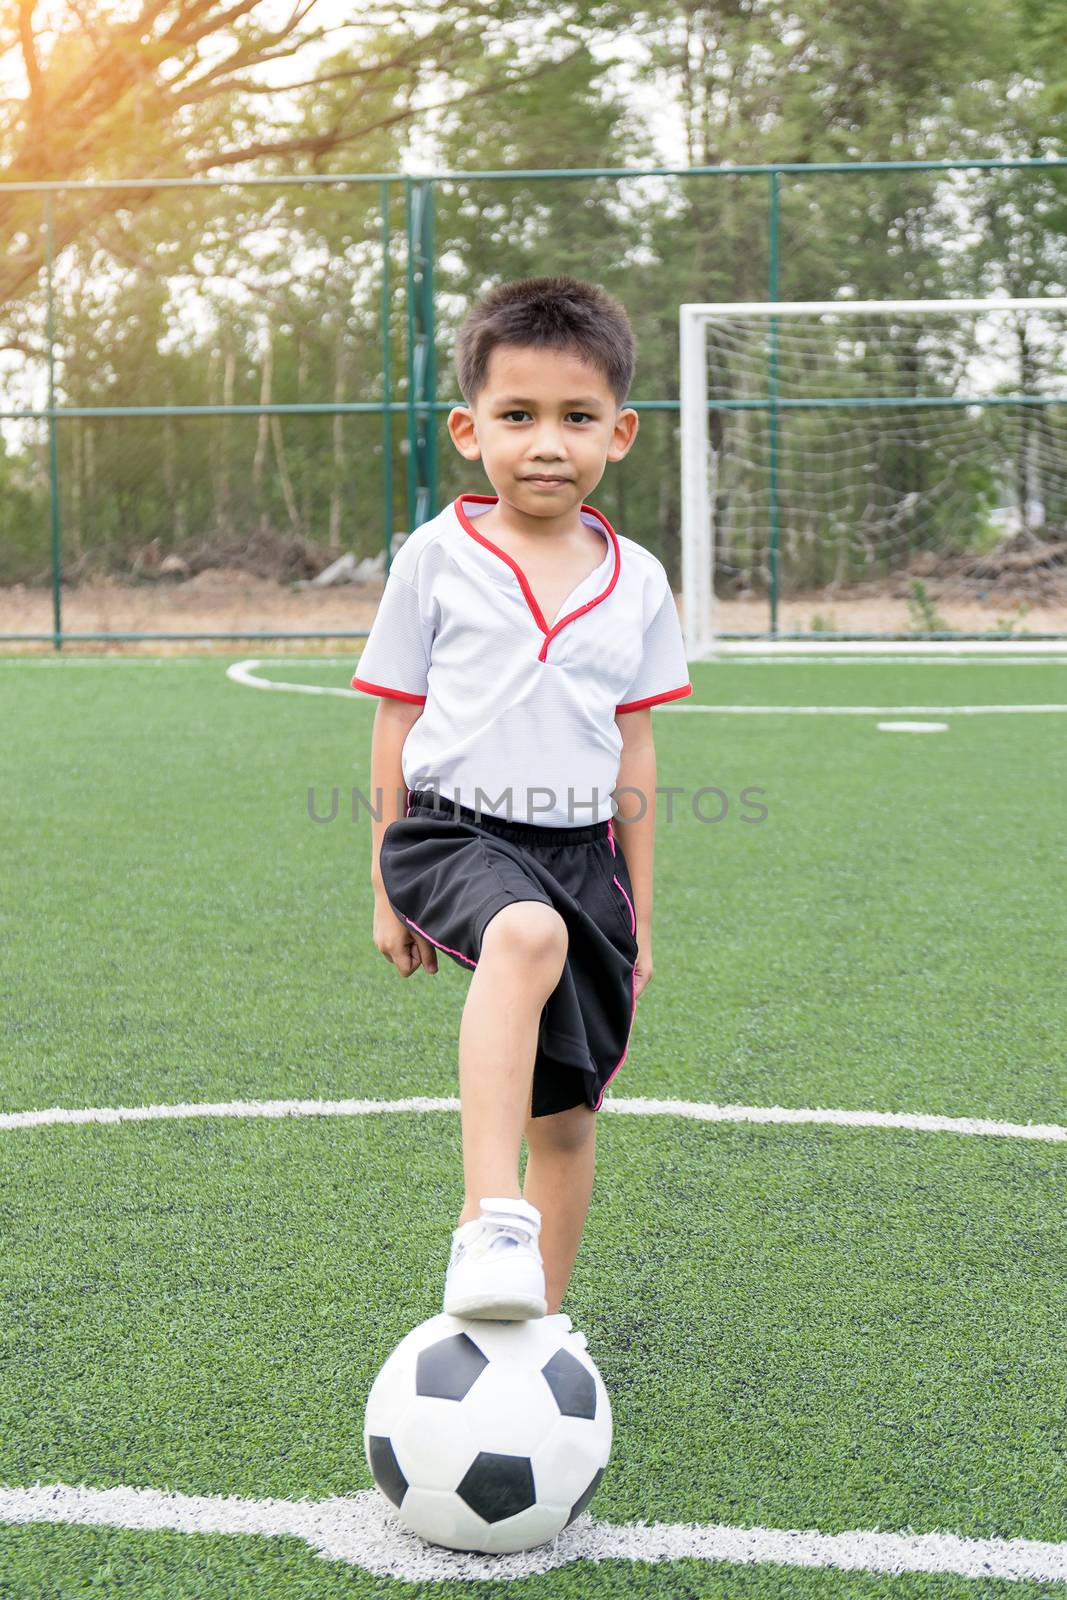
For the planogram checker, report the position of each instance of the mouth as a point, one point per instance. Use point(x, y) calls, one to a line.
point(547, 481)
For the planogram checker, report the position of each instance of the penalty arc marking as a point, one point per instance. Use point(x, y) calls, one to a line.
point(244, 672)
point(696, 1110)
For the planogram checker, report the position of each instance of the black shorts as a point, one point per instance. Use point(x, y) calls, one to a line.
point(447, 870)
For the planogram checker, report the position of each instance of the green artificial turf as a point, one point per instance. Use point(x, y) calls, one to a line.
point(800, 1327)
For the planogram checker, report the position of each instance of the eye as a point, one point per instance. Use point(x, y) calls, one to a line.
point(519, 414)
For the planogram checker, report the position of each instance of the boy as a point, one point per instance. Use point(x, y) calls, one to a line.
point(518, 648)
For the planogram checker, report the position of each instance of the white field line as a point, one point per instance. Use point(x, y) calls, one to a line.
point(696, 1110)
point(86, 661)
point(861, 711)
point(363, 1530)
point(243, 672)
point(875, 660)
point(929, 649)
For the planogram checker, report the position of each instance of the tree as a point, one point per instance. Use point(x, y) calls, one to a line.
point(176, 90)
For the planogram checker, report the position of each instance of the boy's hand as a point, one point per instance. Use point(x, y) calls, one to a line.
point(398, 943)
point(643, 965)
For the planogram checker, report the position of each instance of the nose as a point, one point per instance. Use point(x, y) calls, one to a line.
point(547, 443)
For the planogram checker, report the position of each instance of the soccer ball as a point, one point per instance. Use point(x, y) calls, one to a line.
point(488, 1435)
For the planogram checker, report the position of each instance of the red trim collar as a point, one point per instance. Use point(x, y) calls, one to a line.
point(535, 609)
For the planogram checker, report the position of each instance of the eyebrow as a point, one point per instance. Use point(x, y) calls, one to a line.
point(517, 400)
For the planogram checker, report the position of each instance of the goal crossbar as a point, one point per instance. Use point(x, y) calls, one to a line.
point(786, 308)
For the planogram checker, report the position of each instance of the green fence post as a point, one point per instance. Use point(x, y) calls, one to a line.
point(422, 469)
point(773, 295)
point(429, 332)
point(387, 383)
point(53, 453)
point(412, 415)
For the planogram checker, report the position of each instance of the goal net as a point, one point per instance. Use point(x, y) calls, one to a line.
point(873, 467)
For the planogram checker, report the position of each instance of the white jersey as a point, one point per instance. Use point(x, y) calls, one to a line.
point(519, 714)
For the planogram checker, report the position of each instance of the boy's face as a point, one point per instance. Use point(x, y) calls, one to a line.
point(544, 425)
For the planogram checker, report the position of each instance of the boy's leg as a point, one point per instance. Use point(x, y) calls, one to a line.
point(523, 950)
point(559, 1181)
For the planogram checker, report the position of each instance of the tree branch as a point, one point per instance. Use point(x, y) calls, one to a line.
point(321, 144)
point(30, 61)
point(402, 59)
point(209, 24)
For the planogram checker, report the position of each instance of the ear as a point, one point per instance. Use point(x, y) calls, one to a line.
point(624, 433)
point(463, 432)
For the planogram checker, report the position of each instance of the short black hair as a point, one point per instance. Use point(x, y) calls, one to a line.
point(561, 313)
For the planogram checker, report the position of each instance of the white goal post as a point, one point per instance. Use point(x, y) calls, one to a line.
point(781, 358)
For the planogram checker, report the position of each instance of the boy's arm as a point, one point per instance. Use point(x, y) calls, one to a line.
point(399, 944)
point(635, 823)
point(393, 719)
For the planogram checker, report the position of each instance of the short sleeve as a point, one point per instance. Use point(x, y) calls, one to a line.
point(664, 671)
point(396, 657)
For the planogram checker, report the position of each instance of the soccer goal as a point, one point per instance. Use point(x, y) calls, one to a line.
point(854, 454)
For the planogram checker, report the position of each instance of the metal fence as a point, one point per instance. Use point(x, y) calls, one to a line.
point(417, 403)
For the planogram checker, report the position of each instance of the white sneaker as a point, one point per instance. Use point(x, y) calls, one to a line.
point(495, 1270)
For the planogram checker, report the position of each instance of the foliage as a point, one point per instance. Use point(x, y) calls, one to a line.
point(175, 296)
point(925, 617)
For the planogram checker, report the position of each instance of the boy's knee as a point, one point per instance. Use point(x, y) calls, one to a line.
point(527, 929)
point(563, 1131)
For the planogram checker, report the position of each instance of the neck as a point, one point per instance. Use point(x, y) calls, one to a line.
point(507, 518)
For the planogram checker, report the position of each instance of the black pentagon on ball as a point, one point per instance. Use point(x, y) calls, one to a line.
point(584, 1498)
point(572, 1384)
point(386, 1469)
point(498, 1486)
point(446, 1370)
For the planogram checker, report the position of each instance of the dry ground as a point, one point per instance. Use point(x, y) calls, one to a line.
point(216, 601)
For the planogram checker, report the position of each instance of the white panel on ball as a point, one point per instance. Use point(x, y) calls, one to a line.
point(454, 1449)
point(441, 1518)
point(510, 1408)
